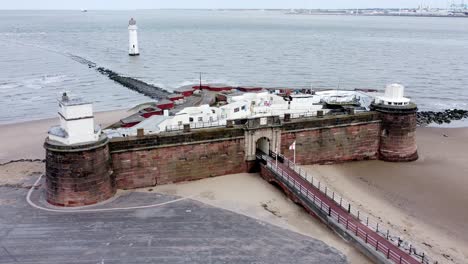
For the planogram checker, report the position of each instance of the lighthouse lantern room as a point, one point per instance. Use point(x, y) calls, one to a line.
point(133, 38)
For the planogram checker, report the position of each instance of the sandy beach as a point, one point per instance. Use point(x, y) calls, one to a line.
point(24, 140)
point(424, 201)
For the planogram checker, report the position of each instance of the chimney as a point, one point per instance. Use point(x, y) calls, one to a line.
point(65, 97)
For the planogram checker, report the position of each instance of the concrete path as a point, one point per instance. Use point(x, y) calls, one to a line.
point(185, 231)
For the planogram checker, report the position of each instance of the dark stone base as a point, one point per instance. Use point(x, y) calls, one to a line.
point(252, 166)
point(399, 158)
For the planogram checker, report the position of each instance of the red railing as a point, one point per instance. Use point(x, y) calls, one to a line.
point(337, 208)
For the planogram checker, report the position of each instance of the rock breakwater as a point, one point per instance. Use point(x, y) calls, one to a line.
point(425, 118)
point(135, 85)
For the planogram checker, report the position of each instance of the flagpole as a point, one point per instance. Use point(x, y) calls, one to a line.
point(294, 154)
point(276, 156)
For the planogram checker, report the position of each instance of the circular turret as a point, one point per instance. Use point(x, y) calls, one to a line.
point(398, 134)
point(78, 175)
point(78, 164)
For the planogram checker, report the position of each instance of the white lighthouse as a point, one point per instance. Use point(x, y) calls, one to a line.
point(133, 38)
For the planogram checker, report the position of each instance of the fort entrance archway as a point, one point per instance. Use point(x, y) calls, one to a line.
point(263, 133)
point(263, 144)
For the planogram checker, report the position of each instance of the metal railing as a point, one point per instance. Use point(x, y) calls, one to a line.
point(364, 219)
point(196, 125)
point(303, 115)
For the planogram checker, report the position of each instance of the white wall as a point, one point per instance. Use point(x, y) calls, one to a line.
point(80, 131)
point(76, 111)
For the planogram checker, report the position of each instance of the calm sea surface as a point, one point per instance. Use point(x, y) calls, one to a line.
point(428, 55)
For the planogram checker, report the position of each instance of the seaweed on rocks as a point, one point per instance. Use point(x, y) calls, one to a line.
point(429, 117)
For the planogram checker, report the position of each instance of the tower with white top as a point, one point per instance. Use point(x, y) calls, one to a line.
point(78, 168)
point(398, 132)
point(76, 122)
point(133, 49)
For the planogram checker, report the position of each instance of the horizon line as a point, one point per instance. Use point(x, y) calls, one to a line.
point(228, 8)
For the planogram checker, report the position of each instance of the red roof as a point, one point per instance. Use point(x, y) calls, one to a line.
point(219, 88)
point(249, 89)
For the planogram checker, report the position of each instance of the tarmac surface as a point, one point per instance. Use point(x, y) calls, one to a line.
point(184, 231)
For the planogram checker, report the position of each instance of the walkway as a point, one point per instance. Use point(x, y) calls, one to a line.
point(299, 186)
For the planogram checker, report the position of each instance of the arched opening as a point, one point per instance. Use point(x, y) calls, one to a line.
point(263, 144)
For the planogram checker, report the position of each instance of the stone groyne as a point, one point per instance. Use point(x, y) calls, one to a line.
point(131, 83)
point(135, 84)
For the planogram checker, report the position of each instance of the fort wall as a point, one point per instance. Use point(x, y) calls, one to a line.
point(89, 175)
point(162, 159)
point(333, 140)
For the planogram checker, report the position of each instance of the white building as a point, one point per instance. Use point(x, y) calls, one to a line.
point(152, 125)
point(197, 116)
point(247, 105)
point(236, 110)
point(76, 123)
point(394, 95)
point(133, 38)
point(267, 104)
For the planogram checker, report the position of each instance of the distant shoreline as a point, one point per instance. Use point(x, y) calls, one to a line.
point(298, 11)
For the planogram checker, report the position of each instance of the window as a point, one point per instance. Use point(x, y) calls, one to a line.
point(236, 110)
point(213, 111)
point(200, 119)
point(243, 107)
point(190, 119)
point(263, 121)
point(179, 123)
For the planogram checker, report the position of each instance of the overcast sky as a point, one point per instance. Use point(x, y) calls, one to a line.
point(154, 4)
